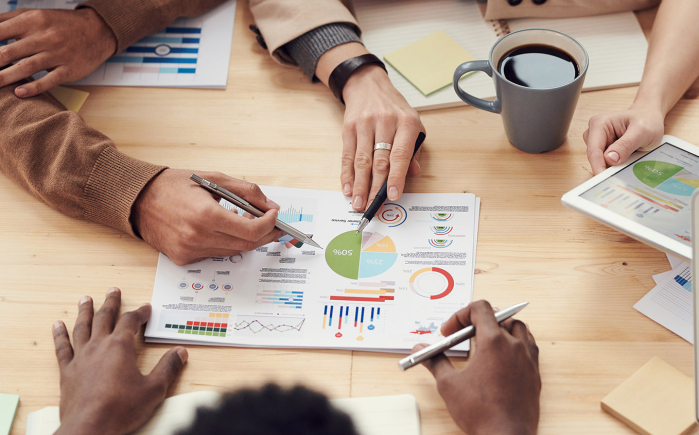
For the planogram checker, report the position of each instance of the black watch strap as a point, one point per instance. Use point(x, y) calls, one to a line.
point(343, 71)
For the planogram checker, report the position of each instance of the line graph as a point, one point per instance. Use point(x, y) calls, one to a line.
point(263, 325)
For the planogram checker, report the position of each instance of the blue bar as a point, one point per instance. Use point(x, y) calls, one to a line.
point(182, 30)
point(325, 313)
point(187, 70)
point(126, 59)
point(331, 316)
point(356, 314)
point(174, 50)
point(167, 59)
point(168, 71)
point(297, 293)
point(378, 312)
point(372, 314)
point(346, 315)
point(362, 314)
point(167, 40)
point(292, 303)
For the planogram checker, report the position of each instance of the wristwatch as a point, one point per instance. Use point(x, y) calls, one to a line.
point(342, 72)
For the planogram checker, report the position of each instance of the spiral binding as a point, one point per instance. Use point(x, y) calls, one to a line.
point(501, 27)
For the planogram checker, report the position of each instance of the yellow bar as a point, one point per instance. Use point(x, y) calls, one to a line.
point(361, 327)
point(365, 292)
point(659, 199)
point(325, 319)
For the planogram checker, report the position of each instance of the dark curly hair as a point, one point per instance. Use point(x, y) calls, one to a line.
point(272, 410)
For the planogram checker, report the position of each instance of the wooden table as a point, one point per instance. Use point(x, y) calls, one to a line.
point(581, 278)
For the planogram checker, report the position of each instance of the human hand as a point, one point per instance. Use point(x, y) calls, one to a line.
point(376, 112)
point(186, 222)
point(498, 391)
point(102, 389)
point(621, 133)
point(68, 44)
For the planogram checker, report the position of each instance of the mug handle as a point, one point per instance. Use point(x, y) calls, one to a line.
point(475, 65)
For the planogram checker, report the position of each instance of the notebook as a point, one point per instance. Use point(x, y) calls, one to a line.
point(385, 415)
point(615, 43)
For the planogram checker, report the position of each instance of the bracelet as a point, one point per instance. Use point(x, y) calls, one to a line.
point(343, 71)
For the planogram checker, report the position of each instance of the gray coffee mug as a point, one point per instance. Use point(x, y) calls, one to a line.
point(535, 120)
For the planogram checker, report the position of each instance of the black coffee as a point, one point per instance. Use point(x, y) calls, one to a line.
point(538, 66)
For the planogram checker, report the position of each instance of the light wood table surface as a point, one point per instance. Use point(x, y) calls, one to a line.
point(581, 278)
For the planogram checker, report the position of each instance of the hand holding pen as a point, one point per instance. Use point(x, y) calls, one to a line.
point(186, 223)
point(502, 374)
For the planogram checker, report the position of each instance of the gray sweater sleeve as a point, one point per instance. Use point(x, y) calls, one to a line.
point(307, 48)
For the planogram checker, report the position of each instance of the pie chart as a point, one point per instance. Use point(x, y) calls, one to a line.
point(432, 283)
point(360, 255)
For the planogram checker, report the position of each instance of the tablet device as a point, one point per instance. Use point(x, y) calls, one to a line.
point(647, 198)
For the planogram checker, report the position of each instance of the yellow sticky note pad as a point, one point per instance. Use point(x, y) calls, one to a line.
point(656, 400)
point(429, 63)
point(72, 99)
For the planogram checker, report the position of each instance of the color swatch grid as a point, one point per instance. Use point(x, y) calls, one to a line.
point(685, 279)
point(213, 324)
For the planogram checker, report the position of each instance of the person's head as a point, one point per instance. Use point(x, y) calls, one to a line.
point(272, 410)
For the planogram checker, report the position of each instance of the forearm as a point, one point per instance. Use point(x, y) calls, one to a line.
point(131, 20)
point(672, 64)
point(73, 168)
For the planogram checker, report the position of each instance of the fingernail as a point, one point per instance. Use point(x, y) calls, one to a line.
point(393, 193)
point(182, 353)
point(85, 299)
point(347, 190)
point(112, 290)
point(418, 165)
point(613, 156)
point(272, 204)
point(496, 309)
point(143, 305)
point(357, 202)
point(57, 324)
point(21, 92)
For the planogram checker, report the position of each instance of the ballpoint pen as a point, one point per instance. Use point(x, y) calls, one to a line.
point(243, 204)
point(448, 342)
point(380, 197)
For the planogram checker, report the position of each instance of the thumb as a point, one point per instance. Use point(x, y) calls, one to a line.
point(634, 138)
point(169, 366)
point(438, 365)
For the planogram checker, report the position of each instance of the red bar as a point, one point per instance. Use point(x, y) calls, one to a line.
point(217, 325)
point(648, 199)
point(189, 323)
point(211, 325)
point(224, 325)
point(196, 323)
point(360, 299)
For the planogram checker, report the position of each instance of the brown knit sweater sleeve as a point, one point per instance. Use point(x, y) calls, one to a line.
point(131, 20)
point(73, 168)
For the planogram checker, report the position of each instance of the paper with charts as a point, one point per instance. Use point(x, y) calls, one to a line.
point(190, 53)
point(385, 289)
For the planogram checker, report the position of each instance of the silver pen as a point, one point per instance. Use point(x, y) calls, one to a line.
point(458, 337)
point(243, 204)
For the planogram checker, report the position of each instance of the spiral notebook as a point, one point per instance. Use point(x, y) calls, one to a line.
point(615, 43)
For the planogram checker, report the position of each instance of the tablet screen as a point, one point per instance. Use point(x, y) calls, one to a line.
point(655, 191)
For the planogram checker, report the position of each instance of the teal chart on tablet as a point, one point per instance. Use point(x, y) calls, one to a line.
point(654, 191)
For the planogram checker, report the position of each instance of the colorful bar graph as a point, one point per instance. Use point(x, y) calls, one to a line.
point(331, 316)
point(292, 214)
point(356, 316)
point(325, 316)
point(285, 298)
point(361, 321)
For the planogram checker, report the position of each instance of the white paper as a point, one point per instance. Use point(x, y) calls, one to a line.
point(670, 303)
point(189, 53)
point(674, 261)
point(661, 276)
point(410, 270)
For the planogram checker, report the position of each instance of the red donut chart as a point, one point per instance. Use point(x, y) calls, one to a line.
point(415, 286)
